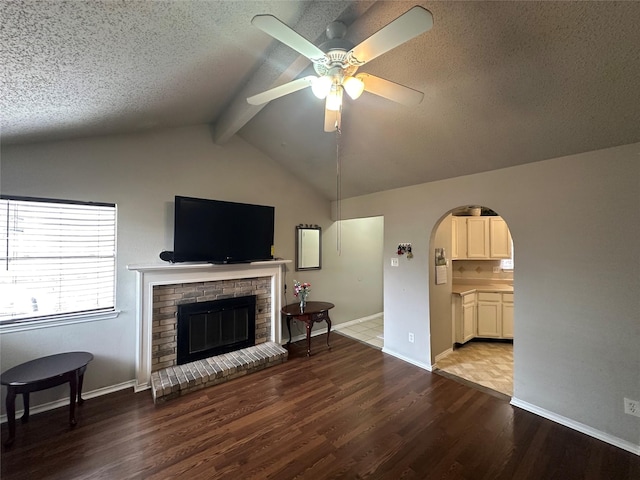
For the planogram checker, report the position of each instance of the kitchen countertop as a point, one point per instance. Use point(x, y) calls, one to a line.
point(463, 289)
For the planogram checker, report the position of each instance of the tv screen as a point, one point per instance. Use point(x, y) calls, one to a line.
point(222, 232)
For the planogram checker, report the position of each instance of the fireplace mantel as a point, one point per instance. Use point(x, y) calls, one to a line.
point(152, 275)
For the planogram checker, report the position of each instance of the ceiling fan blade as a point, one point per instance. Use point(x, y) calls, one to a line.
point(390, 90)
point(281, 91)
point(408, 25)
point(332, 120)
point(280, 31)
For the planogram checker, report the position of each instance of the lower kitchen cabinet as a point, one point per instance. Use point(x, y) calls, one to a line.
point(507, 315)
point(464, 314)
point(482, 314)
point(489, 315)
point(469, 317)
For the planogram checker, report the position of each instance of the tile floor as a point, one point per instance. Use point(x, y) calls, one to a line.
point(366, 331)
point(489, 364)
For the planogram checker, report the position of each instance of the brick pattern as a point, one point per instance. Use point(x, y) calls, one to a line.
point(166, 299)
point(178, 380)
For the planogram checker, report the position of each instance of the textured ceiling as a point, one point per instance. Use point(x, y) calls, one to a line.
point(505, 83)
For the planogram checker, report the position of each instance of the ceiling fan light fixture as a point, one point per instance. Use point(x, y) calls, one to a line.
point(321, 87)
point(334, 99)
point(336, 61)
point(353, 86)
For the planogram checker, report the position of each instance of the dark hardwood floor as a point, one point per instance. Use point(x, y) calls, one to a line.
point(352, 412)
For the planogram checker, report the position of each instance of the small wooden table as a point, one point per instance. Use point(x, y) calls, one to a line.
point(42, 373)
point(313, 312)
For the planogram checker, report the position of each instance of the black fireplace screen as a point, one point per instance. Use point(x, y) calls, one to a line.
point(206, 329)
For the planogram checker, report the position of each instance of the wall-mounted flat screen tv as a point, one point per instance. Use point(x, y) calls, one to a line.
point(222, 232)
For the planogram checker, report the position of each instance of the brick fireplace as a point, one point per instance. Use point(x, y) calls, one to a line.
point(167, 298)
point(161, 288)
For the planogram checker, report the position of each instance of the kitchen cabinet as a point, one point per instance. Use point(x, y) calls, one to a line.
point(479, 238)
point(507, 315)
point(464, 312)
point(458, 237)
point(489, 315)
point(456, 224)
point(500, 243)
point(482, 314)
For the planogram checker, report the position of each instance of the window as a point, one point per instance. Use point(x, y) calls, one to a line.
point(507, 263)
point(58, 258)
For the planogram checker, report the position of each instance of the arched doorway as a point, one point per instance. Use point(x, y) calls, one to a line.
point(472, 298)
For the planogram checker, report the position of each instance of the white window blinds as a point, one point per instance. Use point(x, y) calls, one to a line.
point(58, 258)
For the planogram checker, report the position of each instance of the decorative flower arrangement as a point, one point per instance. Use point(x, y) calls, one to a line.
point(301, 290)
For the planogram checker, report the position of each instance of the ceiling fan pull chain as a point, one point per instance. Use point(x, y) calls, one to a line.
point(338, 192)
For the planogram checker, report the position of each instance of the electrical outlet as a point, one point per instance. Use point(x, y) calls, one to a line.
point(412, 338)
point(632, 407)
point(394, 262)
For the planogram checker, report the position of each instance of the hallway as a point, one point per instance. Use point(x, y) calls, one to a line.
point(367, 331)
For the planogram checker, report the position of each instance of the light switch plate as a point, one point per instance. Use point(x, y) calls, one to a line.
point(394, 262)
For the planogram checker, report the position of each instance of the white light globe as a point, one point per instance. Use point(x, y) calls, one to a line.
point(321, 86)
point(353, 86)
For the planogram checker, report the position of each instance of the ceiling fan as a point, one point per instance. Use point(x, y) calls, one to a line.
point(337, 60)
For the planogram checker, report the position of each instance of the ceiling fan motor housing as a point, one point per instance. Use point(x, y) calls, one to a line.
point(336, 49)
point(337, 64)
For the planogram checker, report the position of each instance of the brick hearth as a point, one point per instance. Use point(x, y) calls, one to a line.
point(172, 382)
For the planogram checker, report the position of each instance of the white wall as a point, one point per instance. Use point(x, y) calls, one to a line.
point(440, 295)
point(351, 276)
point(576, 223)
point(357, 266)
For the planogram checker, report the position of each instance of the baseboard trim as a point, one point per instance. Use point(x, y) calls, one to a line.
point(440, 356)
point(358, 320)
point(335, 327)
point(580, 427)
point(408, 360)
point(314, 333)
point(65, 401)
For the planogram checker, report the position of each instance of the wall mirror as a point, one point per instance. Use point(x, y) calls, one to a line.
point(308, 247)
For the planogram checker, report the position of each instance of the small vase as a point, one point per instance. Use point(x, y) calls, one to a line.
point(303, 303)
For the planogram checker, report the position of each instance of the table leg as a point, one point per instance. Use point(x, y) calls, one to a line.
point(289, 328)
point(328, 330)
point(80, 382)
point(73, 391)
point(25, 403)
point(309, 327)
point(11, 415)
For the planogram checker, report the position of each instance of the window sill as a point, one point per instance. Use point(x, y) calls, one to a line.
point(57, 322)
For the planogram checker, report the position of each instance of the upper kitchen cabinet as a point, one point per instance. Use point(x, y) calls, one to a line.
point(480, 238)
point(500, 244)
point(458, 237)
